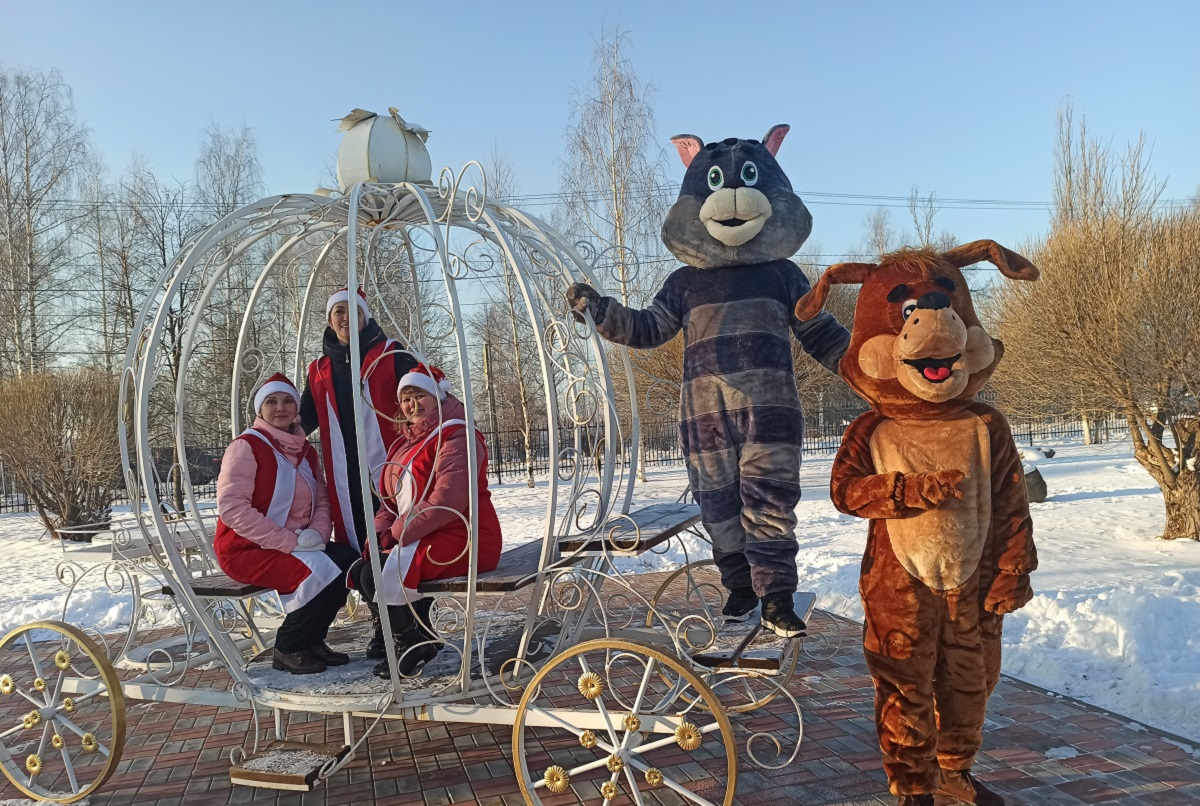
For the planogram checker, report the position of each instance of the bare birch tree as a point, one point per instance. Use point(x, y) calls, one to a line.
point(227, 178)
point(614, 170)
point(42, 147)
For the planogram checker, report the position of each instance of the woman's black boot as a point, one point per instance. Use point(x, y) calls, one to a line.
point(407, 634)
point(375, 647)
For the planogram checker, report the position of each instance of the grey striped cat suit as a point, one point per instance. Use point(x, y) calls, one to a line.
point(740, 420)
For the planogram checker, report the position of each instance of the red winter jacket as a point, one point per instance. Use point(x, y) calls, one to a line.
point(441, 480)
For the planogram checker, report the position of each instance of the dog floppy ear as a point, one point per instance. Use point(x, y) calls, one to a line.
point(839, 274)
point(1010, 264)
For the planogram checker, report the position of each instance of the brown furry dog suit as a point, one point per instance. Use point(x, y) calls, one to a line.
point(950, 545)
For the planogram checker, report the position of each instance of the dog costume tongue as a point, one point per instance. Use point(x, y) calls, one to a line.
point(937, 373)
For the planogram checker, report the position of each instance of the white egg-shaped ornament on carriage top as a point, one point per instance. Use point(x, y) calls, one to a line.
point(382, 148)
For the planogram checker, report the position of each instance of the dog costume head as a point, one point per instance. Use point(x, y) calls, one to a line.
point(736, 206)
point(917, 349)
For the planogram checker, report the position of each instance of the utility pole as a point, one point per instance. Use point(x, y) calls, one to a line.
point(498, 464)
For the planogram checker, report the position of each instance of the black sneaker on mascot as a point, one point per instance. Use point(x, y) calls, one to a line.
point(740, 605)
point(779, 615)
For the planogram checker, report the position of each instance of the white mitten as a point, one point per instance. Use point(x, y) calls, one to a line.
point(309, 540)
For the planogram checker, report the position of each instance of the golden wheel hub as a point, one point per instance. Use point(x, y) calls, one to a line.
point(654, 776)
point(69, 705)
point(609, 790)
point(557, 780)
point(688, 736)
point(39, 684)
point(62, 659)
point(33, 764)
point(56, 742)
point(89, 743)
point(614, 763)
point(631, 723)
point(587, 739)
point(35, 718)
point(591, 685)
point(7, 686)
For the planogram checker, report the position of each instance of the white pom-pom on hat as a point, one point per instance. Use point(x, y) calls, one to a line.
point(428, 379)
point(276, 383)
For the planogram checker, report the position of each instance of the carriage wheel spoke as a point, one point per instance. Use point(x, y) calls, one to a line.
point(71, 726)
point(633, 786)
point(37, 667)
point(599, 701)
point(45, 737)
point(62, 675)
point(82, 698)
point(70, 769)
point(32, 700)
point(637, 701)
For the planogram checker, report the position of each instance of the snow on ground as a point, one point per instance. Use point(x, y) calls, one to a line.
point(1113, 622)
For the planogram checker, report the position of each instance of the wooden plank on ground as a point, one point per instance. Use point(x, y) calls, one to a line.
point(291, 766)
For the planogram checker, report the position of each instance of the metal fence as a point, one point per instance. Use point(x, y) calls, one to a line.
point(660, 446)
point(823, 429)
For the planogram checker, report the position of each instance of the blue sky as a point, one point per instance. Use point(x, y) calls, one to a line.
point(959, 98)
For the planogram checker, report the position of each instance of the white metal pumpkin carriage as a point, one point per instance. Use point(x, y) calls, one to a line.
point(612, 685)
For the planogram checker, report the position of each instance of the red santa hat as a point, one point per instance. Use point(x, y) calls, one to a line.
point(343, 295)
point(428, 379)
point(276, 383)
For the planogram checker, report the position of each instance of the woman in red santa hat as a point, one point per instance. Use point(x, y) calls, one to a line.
point(423, 522)
point(274, 526)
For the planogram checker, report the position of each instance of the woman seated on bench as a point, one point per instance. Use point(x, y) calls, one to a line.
point(424, 516)
point(274, 528)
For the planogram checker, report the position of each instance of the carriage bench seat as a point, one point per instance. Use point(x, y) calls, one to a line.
point(639, 531)
point(219, 586)
point(518, 567)
point(627, 536)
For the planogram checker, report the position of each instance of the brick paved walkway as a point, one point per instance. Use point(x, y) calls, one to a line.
point(1039, 748)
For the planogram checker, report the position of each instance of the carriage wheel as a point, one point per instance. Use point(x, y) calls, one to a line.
point(614, 722)
point(62, 732)
point(696, 590)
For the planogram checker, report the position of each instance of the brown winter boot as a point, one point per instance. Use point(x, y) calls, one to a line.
point(299, 662)
point(915, 800)
point(966, 787)
point(321, 651)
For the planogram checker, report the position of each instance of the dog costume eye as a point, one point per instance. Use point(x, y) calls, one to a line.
point(750, 174)
point(716, 178)
point(910, 305)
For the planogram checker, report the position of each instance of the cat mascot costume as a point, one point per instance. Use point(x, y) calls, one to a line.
point(735, 224)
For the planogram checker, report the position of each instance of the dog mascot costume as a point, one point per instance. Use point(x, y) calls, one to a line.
point(735, 223)
point(950, 544)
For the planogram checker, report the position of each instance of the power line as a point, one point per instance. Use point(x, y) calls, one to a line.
point(663, 192)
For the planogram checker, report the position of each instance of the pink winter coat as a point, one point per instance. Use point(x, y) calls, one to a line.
point(437, 512)
point(235, 487)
